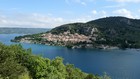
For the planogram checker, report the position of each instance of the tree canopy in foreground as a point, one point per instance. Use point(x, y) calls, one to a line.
point(19, 63)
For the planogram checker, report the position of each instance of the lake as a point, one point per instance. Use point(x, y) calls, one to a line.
point(119, 64)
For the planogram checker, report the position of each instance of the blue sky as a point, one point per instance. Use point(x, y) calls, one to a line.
point(52, 13)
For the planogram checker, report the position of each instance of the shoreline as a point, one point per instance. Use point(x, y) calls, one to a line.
point(76, 47)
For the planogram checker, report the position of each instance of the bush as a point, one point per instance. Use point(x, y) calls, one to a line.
point(19, 63)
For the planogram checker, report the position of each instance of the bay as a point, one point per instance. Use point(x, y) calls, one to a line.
point(119, 64)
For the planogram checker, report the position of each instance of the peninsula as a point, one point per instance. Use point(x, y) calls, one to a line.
point(103, 33)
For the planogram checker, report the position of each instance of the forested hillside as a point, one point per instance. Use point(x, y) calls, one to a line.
point(104, 33)
point(19, 63)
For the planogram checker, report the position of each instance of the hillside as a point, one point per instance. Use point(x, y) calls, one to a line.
point(19, 63)
point(104, 33)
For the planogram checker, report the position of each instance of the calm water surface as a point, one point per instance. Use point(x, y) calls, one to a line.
point(119, 64)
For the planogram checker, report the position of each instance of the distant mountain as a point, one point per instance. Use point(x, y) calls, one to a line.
point(4, 30)
point(106, 33)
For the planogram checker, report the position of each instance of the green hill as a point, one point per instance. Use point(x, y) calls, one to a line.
point(105, 33)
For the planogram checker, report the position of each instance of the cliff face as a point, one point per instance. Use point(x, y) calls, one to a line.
point(103, 33)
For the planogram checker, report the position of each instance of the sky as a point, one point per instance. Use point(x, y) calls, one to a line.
point(52, 13)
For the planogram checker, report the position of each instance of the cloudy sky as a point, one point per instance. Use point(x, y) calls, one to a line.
point(52, 13)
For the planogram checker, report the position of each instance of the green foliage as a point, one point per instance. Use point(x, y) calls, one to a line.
point(35, 37)
point(19, 63)
point(9, 66)
point(91, 76)
point(115, 30)
point(81, 28)
point(105, 76)
point(118, 30)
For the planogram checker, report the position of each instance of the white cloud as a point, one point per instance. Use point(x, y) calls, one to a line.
point(123, 1)
point(36, 20)
point(82, 19)
point(98, 14)
point(30, 20)
point(82, 2)
point(94, 12)
point(139, 11)
point(115, 6)
point(103, 13)
point(123, 12)
point(76, 1)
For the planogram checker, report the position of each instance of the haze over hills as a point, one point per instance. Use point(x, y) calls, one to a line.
point(15, 30)
point(110, 32)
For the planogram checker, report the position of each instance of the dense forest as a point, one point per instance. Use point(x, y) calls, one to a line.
point(108, 32)
point(19, 63)
point(121, 31)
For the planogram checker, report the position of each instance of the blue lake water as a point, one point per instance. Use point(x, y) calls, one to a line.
point(119, 64)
